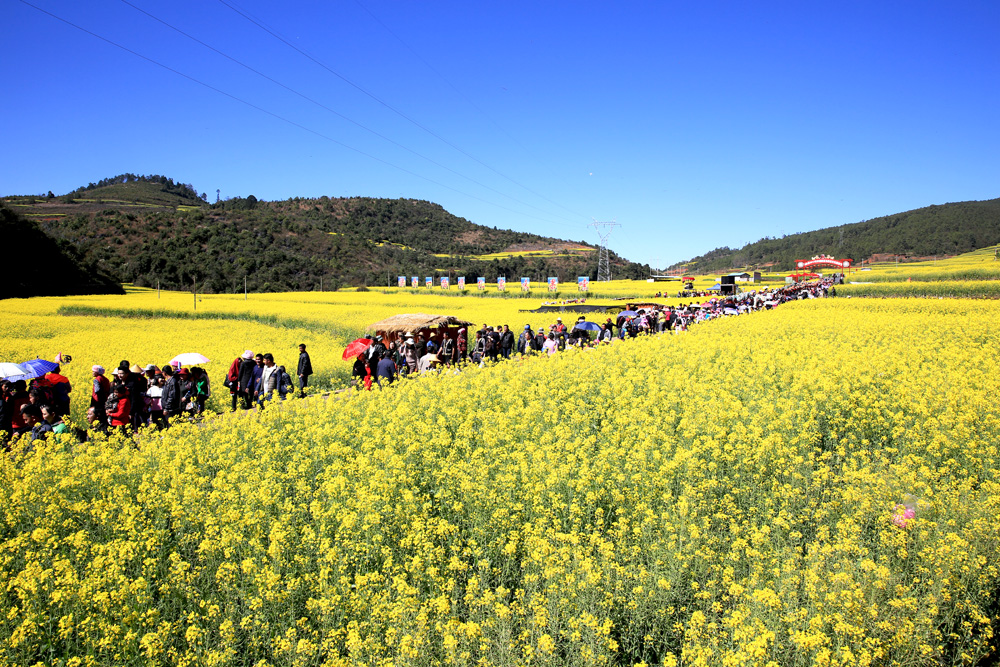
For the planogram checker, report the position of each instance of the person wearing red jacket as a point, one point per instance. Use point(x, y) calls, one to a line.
point(17, 400)
point(99, 393)
point(61, 390)
point(121, 416)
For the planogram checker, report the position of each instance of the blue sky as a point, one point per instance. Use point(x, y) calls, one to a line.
point(693, 125)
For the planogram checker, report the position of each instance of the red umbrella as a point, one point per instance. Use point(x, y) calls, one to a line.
point(357, 347)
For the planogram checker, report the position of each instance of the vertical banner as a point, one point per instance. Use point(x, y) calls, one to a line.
point(414, 281)
point(525, 284)
point(480, 283)
point(461, 283)
point(553, 284)
point(583, 283)
point(501, 283)
point(445, 283)
point(429, 281)
point(401, 282)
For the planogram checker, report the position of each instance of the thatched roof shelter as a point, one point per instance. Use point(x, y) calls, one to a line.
point(415, 322)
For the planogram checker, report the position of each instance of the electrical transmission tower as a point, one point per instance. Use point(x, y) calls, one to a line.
point(604, 230)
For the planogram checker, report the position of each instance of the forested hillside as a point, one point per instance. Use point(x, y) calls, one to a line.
point(149, 229)
point(35, 264)
point(947, 229)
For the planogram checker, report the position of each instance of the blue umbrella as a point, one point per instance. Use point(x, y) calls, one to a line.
point(38, 367)
point(588, 326)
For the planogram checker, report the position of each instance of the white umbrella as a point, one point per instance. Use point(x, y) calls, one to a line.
point(189, 358)
point(11, 371)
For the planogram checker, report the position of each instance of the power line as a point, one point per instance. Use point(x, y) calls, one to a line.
point(333, 111)
point(390, 107)
point(441, 76)
point(275, 115)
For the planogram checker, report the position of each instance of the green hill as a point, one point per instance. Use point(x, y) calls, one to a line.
point(37, 265)
point(946, 229)
point(149, 229)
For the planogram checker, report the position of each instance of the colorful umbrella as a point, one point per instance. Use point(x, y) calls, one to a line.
point(38, 367)
point(627, 313)
point(189, 359)
point(588, 326)
point(356, 347)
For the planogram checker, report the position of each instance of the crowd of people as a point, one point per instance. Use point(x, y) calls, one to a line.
point(137, 396)
point(416, 352)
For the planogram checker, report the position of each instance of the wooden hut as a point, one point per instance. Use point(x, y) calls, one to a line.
point(431, 326)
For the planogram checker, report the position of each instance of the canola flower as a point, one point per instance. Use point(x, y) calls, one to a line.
point(719, 497)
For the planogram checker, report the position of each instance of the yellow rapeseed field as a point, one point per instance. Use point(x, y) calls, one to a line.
point(814, 485)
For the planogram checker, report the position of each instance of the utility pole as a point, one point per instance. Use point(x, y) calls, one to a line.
point(194, 292)
point(157, 289)
point(604, 230)
point(244, 287)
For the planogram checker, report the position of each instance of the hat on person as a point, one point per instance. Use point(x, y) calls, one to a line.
point(123, 365)
point(558, 319)
point(118, 371)
point(151, 367)
point(527, 327)
point(378, 337)
point(184, 371)
point(135, 368)
point(96, 368)
point(410, 341)
point(247, 355)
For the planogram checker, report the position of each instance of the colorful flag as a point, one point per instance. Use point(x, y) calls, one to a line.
point(525, 284)
point(461, 282)
point(414, 281)
point(583, 283)
point(480, 283)
point(429, 281)
point(402, 282)
point(553, 284)
point(445, 283)
point(501, 283)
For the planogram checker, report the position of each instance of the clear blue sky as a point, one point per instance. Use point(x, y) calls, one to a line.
point(694, 125)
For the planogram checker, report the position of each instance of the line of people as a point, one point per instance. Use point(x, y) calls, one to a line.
point(413, 353)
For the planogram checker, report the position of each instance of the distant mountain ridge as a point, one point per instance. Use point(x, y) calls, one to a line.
point(149, 229)
point(945, 229)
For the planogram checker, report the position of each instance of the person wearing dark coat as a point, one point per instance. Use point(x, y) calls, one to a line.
point(170, 399)
point(258, 373)
point(386, 369)
point(506, 342)
point(360, 369)
point(305, 369)
point(244, 385)
point(375, 352)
